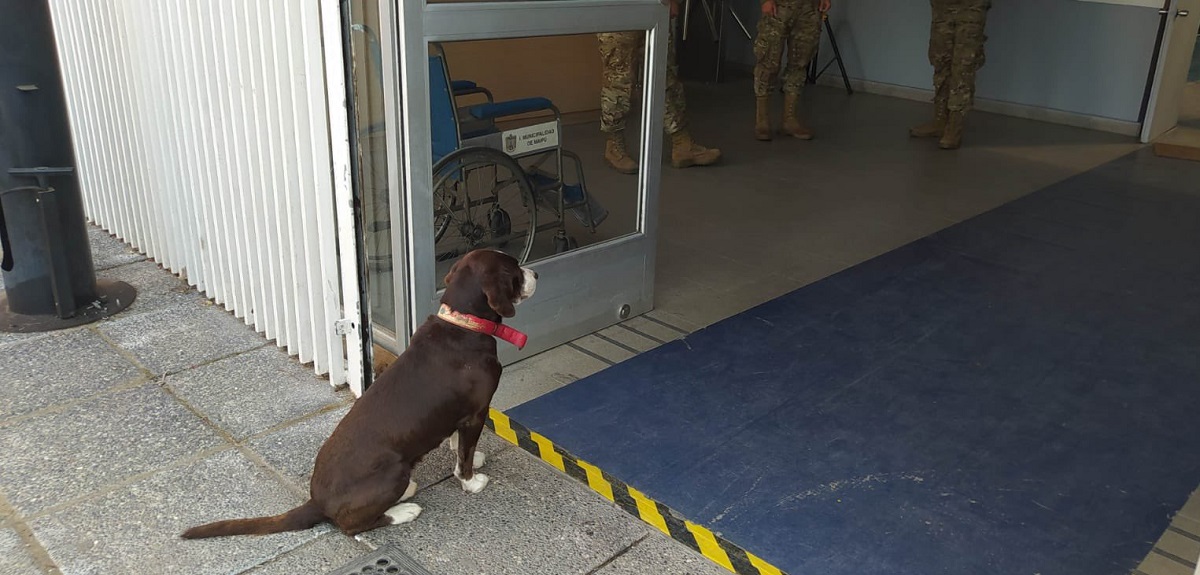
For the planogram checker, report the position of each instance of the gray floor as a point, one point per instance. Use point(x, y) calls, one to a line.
point(775, 216)
point(118, 435)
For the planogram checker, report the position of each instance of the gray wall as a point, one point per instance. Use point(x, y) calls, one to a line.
point(1082, 57)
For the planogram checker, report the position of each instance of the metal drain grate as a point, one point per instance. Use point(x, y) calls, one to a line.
point(388, 559)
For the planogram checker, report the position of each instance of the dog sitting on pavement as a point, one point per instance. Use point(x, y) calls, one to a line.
point(441, 386)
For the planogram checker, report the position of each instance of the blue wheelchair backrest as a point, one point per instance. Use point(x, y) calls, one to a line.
point(443, 120)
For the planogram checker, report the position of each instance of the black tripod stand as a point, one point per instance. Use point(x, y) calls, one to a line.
point(813, 73)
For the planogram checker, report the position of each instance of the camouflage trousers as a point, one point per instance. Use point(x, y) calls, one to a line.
point(622, 54)
point(956, 42)
point(797, 23)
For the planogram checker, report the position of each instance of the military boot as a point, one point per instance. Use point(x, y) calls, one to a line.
point(617, 156)
point(762, 118)
point(934, 128)
point(791, 118)
point(952, 136)
point(685, 152)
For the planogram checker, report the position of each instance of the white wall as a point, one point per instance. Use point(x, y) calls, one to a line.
point(1081, 57)
point(205, 140)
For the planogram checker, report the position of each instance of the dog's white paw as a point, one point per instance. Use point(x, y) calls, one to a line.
point(403, 513)
point(475, 484)
point(479, 459)
point(408, 493)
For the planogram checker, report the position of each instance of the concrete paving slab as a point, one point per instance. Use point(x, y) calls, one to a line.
point(673, 319)
point(156, 288)
point(293, 450)
point(620, 336)
point(541, 374)
point(661, 556)
point(322, 555)
point(135, 530)
point(178, 338)
point(14, 556)
point(62, 366)
point(705, 306)
point(240, 394)
point(649, 328)
point(108, 251)
point(603, 348)
point(53, 458)
point(7, 338)
point(529, 519)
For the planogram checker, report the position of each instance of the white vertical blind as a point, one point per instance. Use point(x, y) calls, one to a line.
point(211, 135)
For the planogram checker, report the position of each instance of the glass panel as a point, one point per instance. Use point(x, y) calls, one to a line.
point(371, 172)
point(535, 133)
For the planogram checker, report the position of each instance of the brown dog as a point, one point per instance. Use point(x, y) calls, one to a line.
point(441, 386)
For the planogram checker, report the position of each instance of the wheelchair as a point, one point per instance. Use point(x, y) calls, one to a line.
point(492, 186)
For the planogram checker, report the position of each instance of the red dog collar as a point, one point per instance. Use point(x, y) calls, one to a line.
point(478, 324)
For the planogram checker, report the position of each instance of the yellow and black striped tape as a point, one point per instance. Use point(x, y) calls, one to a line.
point(663, 518)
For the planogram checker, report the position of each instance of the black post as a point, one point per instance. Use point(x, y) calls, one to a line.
point(49, 277)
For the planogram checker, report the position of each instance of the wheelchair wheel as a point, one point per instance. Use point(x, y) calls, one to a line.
point(482, 198)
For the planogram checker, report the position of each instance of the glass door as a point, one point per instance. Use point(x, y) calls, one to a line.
point(502, 143)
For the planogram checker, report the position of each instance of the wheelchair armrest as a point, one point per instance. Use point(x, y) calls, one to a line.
point(462, 88)
point(491, 111)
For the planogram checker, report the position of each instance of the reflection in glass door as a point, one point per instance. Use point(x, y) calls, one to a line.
point(479, 128)
point(373, 165)
point(519, 159)
point(519, 84)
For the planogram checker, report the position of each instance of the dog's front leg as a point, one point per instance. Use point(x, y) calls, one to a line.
point(467, 437)
point(479, 459)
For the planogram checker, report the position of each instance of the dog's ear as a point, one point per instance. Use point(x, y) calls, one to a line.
point(450, 274)
point(498, 288)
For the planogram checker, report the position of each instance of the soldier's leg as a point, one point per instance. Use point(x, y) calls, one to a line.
point(768, 53)
point(618, 52)
point(684, 151)
point(967, 59)
point(941, 56)
point(802, 44)
point(675, 112)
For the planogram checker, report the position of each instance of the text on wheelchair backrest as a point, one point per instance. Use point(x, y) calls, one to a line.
point(520, 141)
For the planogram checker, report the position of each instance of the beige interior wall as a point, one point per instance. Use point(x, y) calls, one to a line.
point(565, 69)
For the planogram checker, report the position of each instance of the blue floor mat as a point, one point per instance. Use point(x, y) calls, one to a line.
point(1016, 394)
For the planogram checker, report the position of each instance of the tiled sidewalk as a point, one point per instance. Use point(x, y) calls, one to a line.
point(116, 436)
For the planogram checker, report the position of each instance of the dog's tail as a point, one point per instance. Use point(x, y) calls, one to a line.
point(302, 517)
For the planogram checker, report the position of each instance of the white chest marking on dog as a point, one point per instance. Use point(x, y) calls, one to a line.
point(403, 513)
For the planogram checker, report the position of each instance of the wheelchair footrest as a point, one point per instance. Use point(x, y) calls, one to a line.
point(576, 199)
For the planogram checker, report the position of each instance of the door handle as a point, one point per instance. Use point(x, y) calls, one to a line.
point(1182, 13)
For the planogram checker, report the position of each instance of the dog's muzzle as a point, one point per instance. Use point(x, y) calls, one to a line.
point(528, 286)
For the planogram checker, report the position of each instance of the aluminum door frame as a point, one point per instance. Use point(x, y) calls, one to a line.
point(582, 290)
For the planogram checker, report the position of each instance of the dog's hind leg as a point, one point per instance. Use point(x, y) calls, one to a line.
point(408, 493)
point(464, 469)
point(404, 512)
point(380, 502)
